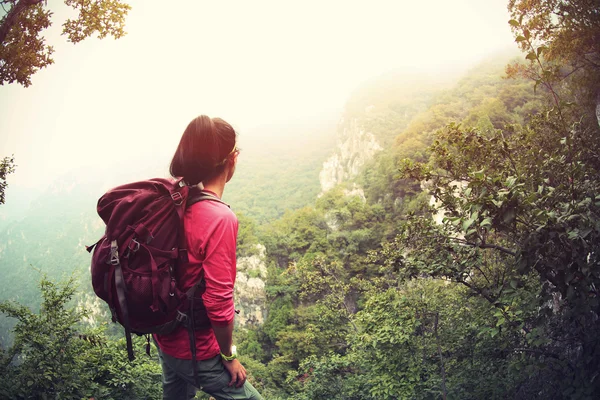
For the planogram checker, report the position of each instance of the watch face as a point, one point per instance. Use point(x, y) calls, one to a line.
point(233, 350)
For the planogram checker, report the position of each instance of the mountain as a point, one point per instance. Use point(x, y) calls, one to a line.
point(279, 165)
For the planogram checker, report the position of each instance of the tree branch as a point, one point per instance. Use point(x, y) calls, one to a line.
point(487, 246)
point(13, 15)
point(494, 303)
point(494, 246)
point(540, 352)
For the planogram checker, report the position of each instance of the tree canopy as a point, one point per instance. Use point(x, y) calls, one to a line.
point(7, 166)
point(24, 50)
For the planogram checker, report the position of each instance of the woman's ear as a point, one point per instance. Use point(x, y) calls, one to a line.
point(231, 163)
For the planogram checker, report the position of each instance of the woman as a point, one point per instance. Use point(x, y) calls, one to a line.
point(207, 155)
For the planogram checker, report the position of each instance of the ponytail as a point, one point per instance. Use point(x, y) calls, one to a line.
point(203, 150)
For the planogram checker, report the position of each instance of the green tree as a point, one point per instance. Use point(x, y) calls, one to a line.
point(54, 357)
point(561, 39)
point(520, 203)
point(23, 48)
point(7, 166)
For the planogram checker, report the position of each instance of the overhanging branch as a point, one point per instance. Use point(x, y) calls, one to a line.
point(487, 246)
point(13, 15)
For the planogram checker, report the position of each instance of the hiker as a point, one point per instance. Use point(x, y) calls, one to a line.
point(206, 157)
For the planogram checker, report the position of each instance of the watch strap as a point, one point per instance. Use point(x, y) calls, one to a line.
point(228, 358)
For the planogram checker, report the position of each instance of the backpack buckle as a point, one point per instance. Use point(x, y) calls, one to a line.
point(133, 247)
point(177, 198)
point(181, 317)
point(114, 253)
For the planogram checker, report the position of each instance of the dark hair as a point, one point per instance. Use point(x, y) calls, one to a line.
point(203, 149)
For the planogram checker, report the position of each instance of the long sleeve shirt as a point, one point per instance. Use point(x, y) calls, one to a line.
point(211, 231)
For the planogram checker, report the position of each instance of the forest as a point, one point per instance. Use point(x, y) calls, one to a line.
point(467, 266)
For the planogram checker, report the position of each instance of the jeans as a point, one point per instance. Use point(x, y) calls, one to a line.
point(213, 378)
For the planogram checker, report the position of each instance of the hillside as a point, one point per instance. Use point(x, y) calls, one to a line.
point(369, 298)
point(279, 166)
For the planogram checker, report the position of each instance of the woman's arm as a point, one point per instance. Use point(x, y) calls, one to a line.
point(219, 275)
point(224, 333)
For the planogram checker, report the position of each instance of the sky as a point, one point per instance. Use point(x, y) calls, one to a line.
point(252, 63)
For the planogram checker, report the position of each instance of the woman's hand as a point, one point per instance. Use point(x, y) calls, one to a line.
point(237, 372)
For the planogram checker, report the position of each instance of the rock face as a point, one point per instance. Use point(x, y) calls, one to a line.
point(250, 295)
point(354, 149)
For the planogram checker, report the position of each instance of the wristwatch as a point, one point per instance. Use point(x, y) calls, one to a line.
point(233, 355)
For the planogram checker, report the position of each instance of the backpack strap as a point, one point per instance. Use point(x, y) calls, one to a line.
point(120, 286)
point(197, 195)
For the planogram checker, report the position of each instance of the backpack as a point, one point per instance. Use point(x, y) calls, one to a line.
point(133, 265)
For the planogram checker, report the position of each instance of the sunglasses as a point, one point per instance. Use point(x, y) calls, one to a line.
point(235, 151)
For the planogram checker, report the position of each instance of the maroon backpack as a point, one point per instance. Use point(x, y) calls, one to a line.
point(134, 263)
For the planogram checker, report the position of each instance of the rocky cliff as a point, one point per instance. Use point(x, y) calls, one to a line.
point(355, 147)
point(250, 295)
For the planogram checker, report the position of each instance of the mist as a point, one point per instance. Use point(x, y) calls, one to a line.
point(121, 105)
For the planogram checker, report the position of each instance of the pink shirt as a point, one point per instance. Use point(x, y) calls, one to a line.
point(211, 231)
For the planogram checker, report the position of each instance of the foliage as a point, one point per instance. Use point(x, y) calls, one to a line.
point(497, 299)
point(50, 238)
point(521, 213)
point(562, 46)
point(52, 358)
point(7, 166)
point(24, 50)
point(528, 196)
point(278, 168)
point(247, 238)
point(567, 30)
point(481, 99)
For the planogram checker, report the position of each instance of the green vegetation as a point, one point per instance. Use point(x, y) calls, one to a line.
point(54, 357)
point(469, 269)
point(497, 300)
point(279, 167)
point(7, 166)
point(24, 50)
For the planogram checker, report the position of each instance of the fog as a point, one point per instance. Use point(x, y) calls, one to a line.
point(125, 102)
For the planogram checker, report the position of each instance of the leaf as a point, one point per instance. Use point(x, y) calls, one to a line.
point(510, 181)
point(513, 22)
point(531, 56)
point(540, 50)
point(466, 224)
point(520, 39)
point(486, 222)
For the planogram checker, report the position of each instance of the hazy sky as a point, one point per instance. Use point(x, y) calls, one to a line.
point(249, 62)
